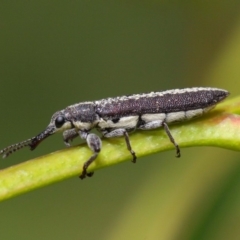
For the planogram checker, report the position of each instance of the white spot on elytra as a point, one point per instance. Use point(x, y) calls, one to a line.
point(175, 117)
point(124, 122)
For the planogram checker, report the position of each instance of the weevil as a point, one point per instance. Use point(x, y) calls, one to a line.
point(119, 116)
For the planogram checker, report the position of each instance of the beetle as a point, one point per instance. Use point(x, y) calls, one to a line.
point(119, 116)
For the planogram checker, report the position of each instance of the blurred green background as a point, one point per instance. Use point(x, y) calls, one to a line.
point(56, 53)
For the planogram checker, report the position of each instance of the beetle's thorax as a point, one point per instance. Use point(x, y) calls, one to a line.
point(82, 116)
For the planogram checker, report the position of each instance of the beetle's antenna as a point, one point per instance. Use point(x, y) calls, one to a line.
point(31, 142)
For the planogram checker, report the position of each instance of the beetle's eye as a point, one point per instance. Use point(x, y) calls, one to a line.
point(60, 120)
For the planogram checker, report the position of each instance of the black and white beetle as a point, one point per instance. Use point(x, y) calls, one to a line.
point(115, 117)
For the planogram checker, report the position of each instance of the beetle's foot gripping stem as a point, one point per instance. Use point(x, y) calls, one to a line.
point(95, 144)
point(90, 174)
point(129, 147)
point(167, 130)
point(86, 165)
point(118, 133)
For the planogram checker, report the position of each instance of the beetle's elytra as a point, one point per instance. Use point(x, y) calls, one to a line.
point(116, 117)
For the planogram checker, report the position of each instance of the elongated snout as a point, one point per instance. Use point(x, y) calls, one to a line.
point(31, 142)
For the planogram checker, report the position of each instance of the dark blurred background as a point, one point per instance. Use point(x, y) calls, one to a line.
point(56, 53)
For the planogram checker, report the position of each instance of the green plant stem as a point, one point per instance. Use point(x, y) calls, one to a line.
point(220, 127)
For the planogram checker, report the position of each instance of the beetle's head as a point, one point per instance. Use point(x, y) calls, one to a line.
point(58, 123)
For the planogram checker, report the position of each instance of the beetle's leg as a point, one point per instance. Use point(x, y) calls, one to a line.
point(69, 135)
point(157, 124)
point(178, 154)
point(118, 133)
point(95, 144)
